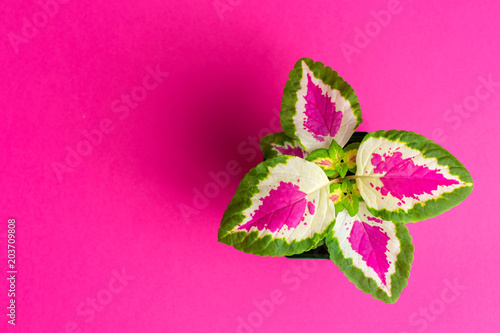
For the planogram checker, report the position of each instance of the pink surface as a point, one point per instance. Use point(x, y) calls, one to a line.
point(131, 221)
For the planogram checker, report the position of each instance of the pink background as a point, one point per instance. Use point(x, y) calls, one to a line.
point(121, 206)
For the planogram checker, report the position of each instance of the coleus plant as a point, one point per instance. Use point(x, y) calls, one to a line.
point(312, 188)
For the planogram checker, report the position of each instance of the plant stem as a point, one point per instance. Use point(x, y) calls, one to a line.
point(336, 180)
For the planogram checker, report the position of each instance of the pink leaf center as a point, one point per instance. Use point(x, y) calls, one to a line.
point(371, 243)
point(405, 179)
point(284, 205)
point(321, 118)
point(289, 150)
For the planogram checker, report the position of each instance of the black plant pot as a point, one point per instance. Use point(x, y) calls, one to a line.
point(321, 252)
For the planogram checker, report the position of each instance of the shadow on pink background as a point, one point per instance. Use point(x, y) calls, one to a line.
point(121, 238)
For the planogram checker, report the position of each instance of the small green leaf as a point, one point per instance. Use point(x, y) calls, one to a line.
point(346, 185)
point(342, 169)
point(351, 203)
point(331, 160)
point(322, 158)
point(336, 195)
point(336, 152)
point(351, 152)
point(355, 191)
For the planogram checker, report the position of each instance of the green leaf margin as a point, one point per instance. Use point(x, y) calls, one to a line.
point(277, 138)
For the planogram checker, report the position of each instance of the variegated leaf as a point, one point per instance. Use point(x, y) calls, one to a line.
point(336, 195)
point(337, 153)
point(277, 144)
point(281, 207)
point(318, 106)
point(322, 158)
point(331, 160)
point(351, 150)
point(351, 204)
point(355, 191)
point(404, 177)
point(374, 254)
point(350, 200)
